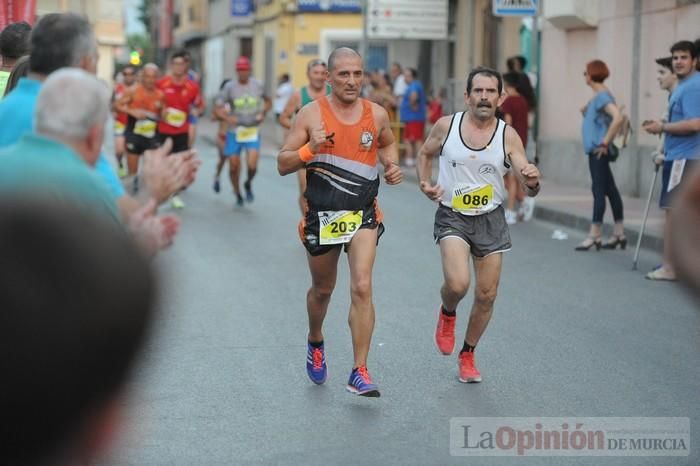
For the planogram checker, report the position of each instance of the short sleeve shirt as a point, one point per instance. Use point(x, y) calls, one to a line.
point(177, 101)
point(516, 107)
point(596, 121)
point(16, 115)
point(684, 104)
point(40, 165)
point(245, 100)
point(408, 113)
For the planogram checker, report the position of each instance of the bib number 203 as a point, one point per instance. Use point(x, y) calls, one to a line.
point(343, 227)
point(339, 227)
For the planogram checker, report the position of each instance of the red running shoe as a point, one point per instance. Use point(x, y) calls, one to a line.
point(468, 373)
point(445, 333)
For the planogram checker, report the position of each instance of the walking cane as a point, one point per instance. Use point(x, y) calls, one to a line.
point(646, 214)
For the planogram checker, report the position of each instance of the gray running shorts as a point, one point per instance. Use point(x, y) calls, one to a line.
point(485, 234)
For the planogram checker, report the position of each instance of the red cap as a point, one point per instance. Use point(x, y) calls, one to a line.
point(243, 63)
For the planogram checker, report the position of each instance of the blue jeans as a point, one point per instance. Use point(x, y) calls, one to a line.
point(604, 186)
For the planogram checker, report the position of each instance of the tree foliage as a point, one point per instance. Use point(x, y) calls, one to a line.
point(145, 13)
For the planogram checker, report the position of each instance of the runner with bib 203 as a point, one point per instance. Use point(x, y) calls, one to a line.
point(338, 139)
point(475, 150)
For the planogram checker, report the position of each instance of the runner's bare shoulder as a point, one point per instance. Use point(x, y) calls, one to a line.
point(442, 126)
point(309, 115)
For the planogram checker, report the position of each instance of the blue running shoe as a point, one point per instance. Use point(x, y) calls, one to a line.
point(248, 192)
point(361, 384)
point(316, 364)
point(217, 186)
point(239, 200)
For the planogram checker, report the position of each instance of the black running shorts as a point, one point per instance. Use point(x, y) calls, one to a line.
point(181, 142)
point(311, 224)
point(137, 144)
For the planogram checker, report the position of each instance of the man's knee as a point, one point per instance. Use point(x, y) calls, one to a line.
point(361, 288)
point(321, 291)
point(485, 296)
point(456, 287)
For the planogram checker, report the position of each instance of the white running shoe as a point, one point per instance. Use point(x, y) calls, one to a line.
point(511, 217)
point(527, 208)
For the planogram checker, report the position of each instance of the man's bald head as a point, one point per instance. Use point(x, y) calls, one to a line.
point(341, 52)
point(149, 75)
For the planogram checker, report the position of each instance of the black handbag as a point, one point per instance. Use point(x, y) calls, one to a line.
point(613, 152)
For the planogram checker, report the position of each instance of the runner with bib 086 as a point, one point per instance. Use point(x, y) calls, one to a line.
point(475, 150)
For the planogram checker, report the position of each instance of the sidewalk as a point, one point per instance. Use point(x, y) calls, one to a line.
point(568, 206)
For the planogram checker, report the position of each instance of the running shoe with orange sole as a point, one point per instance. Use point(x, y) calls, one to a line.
point(468, 373)
point(445, 333)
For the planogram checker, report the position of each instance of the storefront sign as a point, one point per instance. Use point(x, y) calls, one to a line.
point(331, 6)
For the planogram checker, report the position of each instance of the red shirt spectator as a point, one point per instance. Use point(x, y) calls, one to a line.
point(515, 111)
point(434, 110)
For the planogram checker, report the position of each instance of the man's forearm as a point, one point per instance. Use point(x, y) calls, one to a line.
point(682, 128)
point(424, 167)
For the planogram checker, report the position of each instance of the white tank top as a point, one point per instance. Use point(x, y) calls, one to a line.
point(473, 178)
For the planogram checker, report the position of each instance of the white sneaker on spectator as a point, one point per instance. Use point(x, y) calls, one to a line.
point(527, 208)
point(511, 217)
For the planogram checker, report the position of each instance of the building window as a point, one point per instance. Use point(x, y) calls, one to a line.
point(247, 46)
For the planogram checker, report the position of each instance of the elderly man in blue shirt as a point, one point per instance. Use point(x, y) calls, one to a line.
point(67, 40)
point(681, 140)
point(57, 159)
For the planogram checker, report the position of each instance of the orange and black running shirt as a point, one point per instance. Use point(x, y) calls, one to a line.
point(152, 102)
point(179, 98)
point(343, 174)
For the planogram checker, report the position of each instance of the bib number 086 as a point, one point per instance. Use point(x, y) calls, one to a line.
point(475, 200)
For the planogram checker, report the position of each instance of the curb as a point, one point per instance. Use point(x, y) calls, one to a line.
point(583, 224)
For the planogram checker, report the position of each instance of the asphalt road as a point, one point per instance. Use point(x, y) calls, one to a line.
point(223, 379)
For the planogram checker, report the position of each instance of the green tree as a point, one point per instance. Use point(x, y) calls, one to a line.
point(145, 13)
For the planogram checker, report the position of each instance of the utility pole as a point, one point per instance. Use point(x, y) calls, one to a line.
point(634, 97)
point(364, 45)
point(535, 68)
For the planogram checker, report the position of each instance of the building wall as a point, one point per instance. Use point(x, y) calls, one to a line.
point(563, 90)
point(471, 44)
point(194, 18)
point(222, 46)
point(106, 17)
point(293, 33)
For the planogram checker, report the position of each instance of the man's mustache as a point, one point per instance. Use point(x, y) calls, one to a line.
point(483, 104)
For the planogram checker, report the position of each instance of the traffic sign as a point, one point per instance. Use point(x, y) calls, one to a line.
point(407, 19)
point(515, 7)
